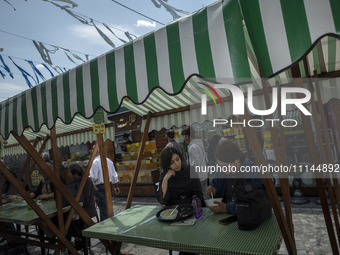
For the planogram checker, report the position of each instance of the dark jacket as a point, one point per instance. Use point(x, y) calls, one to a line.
point(181, 188)
point(224, 187)
point(7, 186)
point(38, 191)
point(88, 197)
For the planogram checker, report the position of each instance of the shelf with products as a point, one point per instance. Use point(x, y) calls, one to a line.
point(148, 168)
point(144, 177)
point(150, 152)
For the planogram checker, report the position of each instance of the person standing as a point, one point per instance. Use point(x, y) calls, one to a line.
point(196, 155)
point(96, 174)
point(170, 137)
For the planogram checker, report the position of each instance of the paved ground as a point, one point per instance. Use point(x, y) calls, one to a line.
point(310, 232)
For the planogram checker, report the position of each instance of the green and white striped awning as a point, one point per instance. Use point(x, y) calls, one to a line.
point(212, 42)
point(78, 132)
point(281, 32)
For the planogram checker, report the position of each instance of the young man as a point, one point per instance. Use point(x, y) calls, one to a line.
point(170, 137)
point(96, 174)
point(196, 155)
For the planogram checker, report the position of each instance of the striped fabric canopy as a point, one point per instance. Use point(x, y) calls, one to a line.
point(281, 32)
point(78, 132)
point(213, 42)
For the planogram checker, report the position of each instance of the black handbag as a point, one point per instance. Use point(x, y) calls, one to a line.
point(252, 205)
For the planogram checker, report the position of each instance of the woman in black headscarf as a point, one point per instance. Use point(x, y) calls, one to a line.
point(175, 185)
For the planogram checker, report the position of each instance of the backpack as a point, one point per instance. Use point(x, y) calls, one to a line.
point(252, 205)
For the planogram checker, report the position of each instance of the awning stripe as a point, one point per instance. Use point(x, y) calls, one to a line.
point(49, 104)
point(111, 81)
point(60, 98)
point(294, 13)
point(120, 73)
point(54, 92)
point(201, 37)
point(140, 67)
point(255, 27)
point(187, 46)
point(218, 41)
point(236, 54)
point(80, 90)
point(175, 56)
point(14, 112)
point(7, 116)
point(86, 74)
point(34, 107)
point(151, 61)
point(320, 18)
point(163, 64)
point(19, 113)
point(335, 5)
point(103, 85)
point(130, 73)
point(23, 110)
point(274, 29)
point(73, 92)
point(67, 101)
point(95, 89)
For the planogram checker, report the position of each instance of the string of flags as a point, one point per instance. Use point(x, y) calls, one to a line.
point(31, 80)
point(36, 75)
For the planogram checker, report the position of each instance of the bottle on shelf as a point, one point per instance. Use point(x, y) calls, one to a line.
point(197, 205)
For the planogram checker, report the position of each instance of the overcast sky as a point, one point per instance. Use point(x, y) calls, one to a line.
point(42, 21)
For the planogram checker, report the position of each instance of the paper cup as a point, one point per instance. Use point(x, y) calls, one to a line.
point(210, 202)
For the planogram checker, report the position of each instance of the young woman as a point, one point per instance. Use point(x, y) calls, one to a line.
point(176, 186)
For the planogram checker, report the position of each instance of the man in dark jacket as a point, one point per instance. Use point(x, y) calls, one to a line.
point(229, 156)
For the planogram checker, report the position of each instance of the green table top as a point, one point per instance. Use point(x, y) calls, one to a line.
point(139, 225)
point(18, 212)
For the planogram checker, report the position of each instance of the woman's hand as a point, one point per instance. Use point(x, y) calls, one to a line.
point(169, 174)
point(210, 190)
point(220, 208)
point(166, 178)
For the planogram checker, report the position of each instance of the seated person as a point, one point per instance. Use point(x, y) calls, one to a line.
point(45, 189)
point(6, 187)
point(175, 185)
point(228, 154)
point(88, 200)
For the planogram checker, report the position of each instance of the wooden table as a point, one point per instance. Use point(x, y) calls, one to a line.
point(139, 225)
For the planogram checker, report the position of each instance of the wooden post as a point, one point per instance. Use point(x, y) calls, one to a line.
point(27, 161)
point(59, 202)
point(106, 177)
point(28, 176)
point(323, 152)
point(315, 160)
point(138, 163)
point(283, 177)
point(268, 183)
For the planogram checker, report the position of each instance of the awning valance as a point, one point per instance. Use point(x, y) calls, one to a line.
point(77, 132)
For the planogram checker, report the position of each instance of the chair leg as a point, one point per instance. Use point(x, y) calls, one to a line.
point(41, 233)
point(85, 242)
